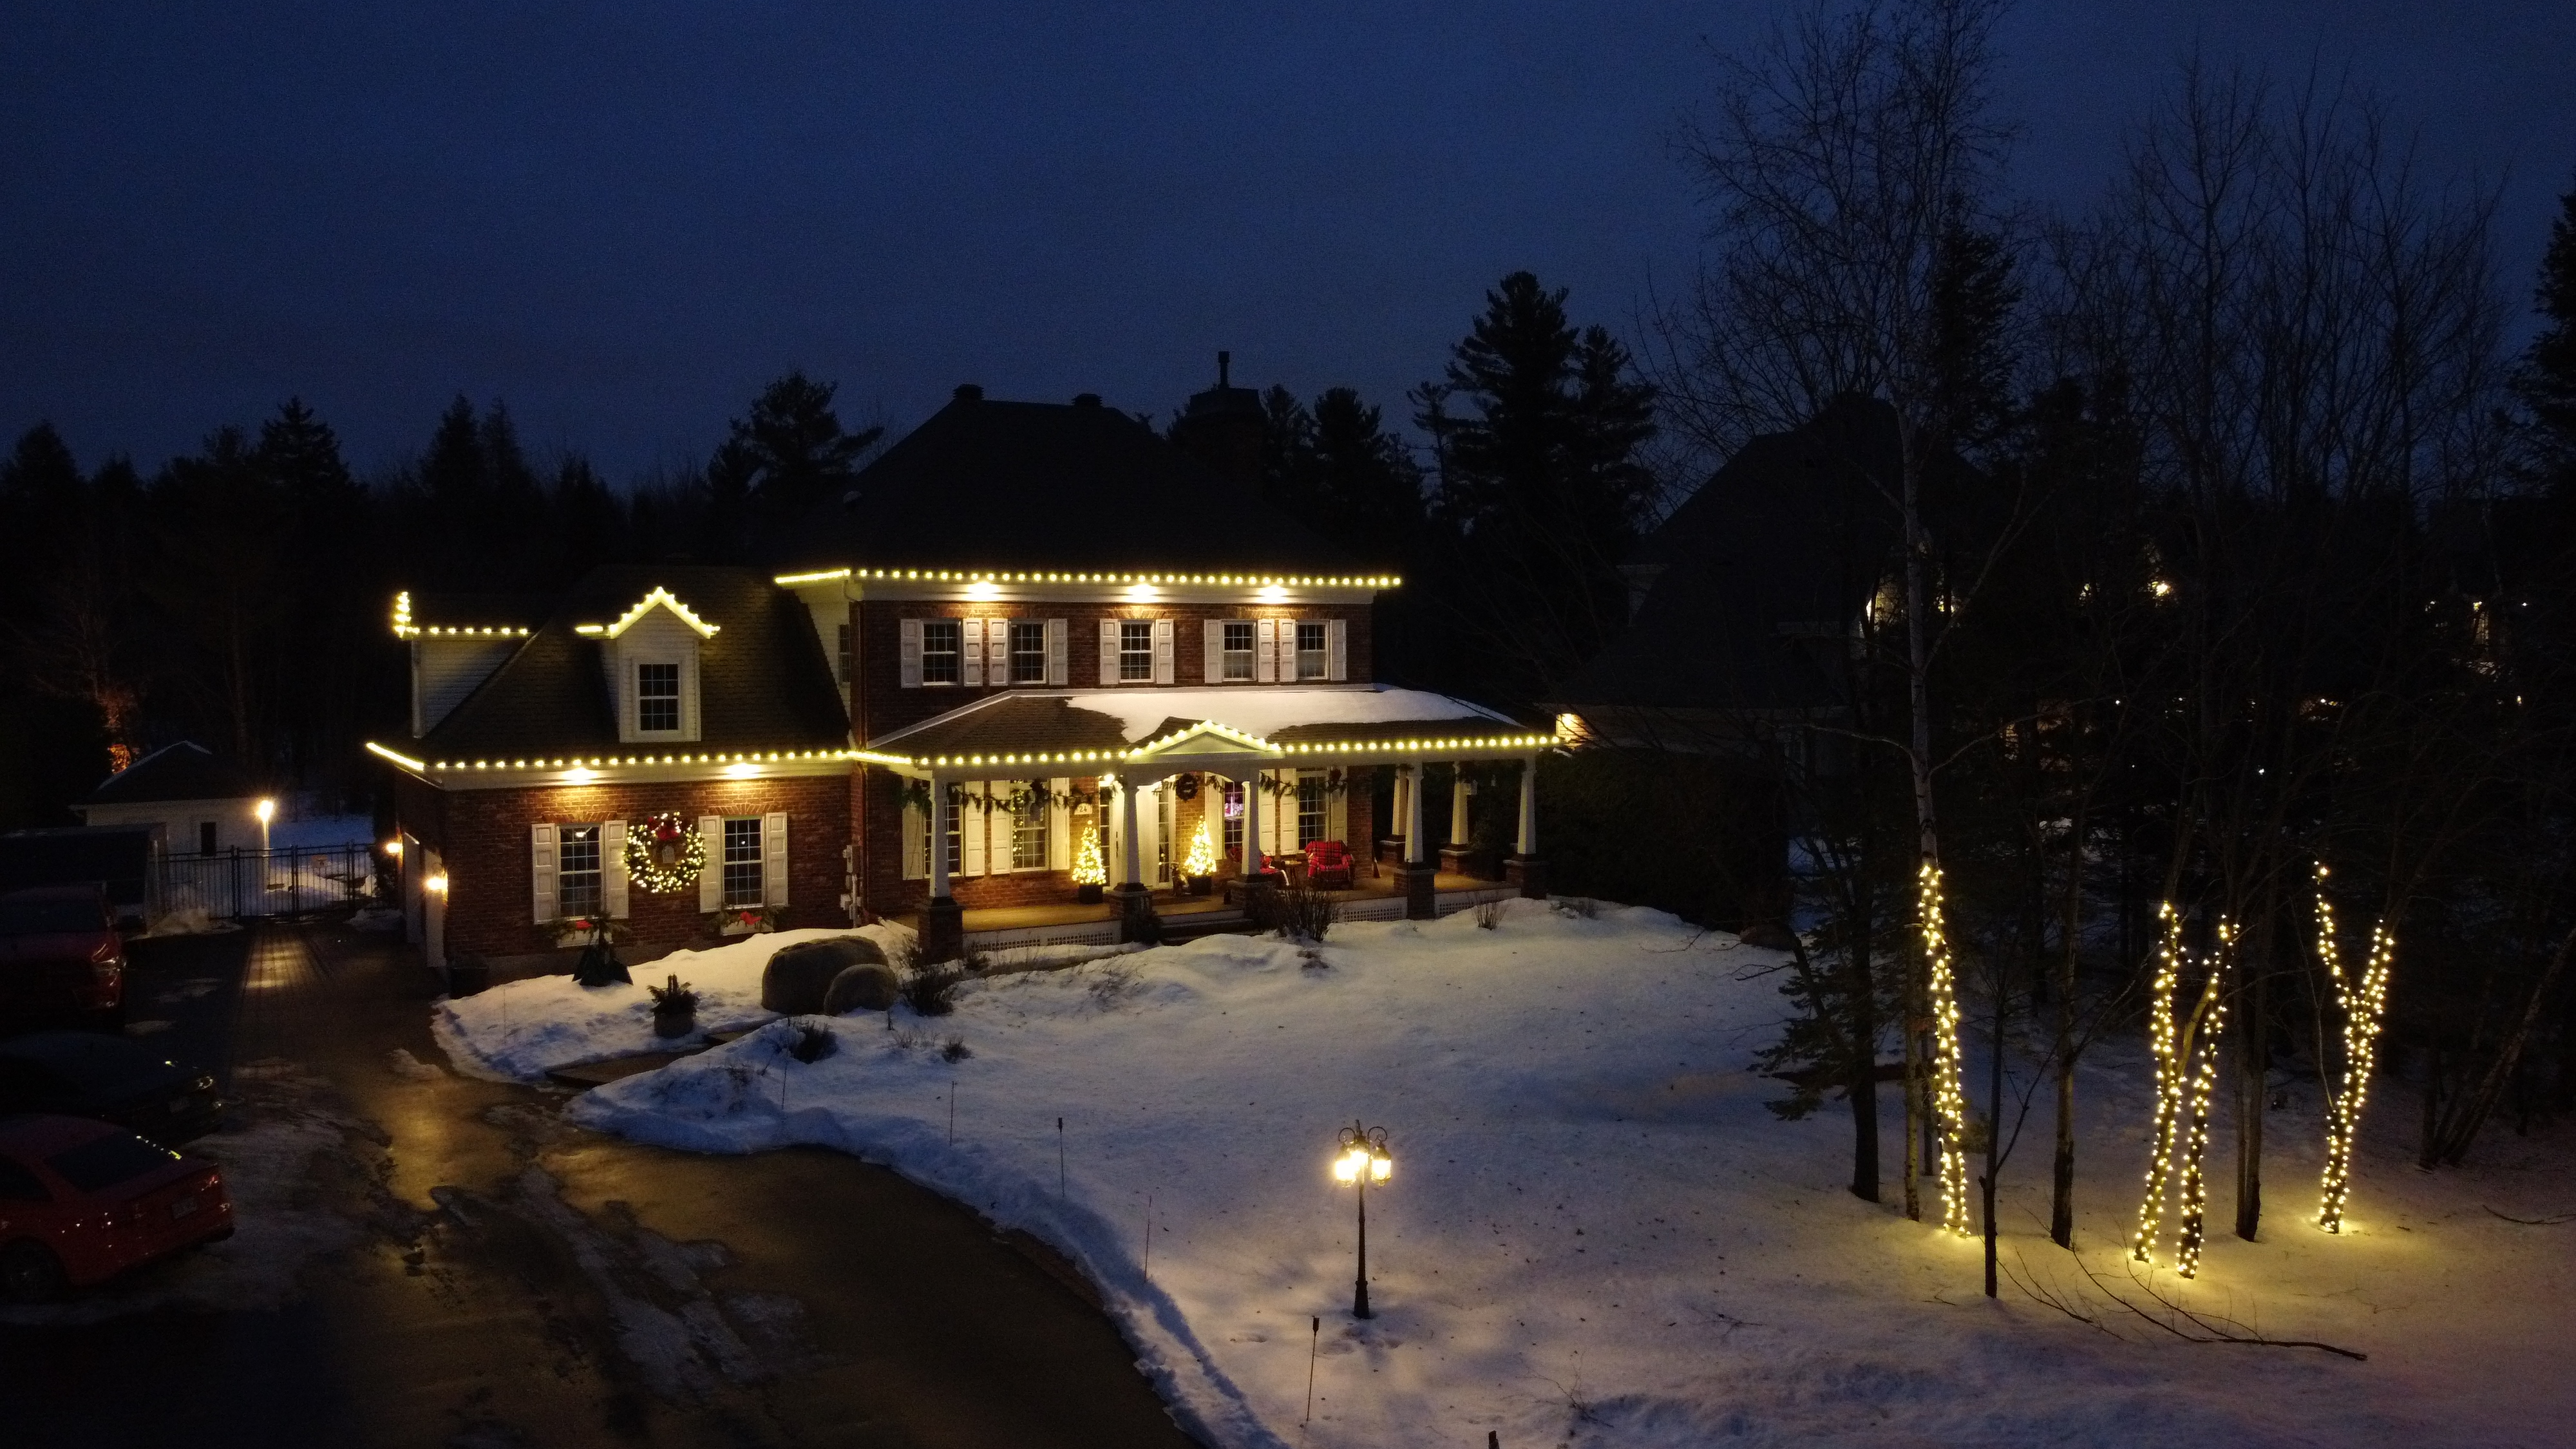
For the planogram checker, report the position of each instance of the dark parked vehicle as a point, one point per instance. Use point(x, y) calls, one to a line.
point(60, 956)
point(81, 1202)
point(84, 1074)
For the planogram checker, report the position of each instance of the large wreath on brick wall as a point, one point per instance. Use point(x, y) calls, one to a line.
point(664, 853)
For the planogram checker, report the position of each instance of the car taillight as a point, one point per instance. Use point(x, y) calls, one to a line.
point(106, 952)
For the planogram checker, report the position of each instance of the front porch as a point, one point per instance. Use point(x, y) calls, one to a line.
point(1373, 898)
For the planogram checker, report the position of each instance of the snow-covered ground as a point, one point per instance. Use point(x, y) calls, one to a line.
point(1597, 1234)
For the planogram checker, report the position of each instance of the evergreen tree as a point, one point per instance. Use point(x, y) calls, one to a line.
point(2546, 380)
point(1537, 425)
point(791, 451)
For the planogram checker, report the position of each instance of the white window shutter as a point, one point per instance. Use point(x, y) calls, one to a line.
point(1059, 824)
point(1108, 653)
point(1337, 817)
point(1162, 651)
point(970, 826)
point(711, 878)
point(541, 851)
point(1337, 649)
point(1059, 653)
point(1211, 651)
point(612, 868)
point(1265, 651)
point(773, 859)
point(970, 643)
point(916, 843)
point(911, 651)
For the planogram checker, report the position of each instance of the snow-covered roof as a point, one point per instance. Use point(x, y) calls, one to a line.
point(1117, 720)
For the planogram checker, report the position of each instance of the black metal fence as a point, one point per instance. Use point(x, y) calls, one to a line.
point(242, 885)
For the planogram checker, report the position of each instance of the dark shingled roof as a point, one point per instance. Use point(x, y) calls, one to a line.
point(184, 771)
point(437, 606)
point(763, 683)
point(987, 484)
point(1759, 573)
point(1011, 725)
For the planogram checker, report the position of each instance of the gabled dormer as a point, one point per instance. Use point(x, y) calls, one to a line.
point(649, 657)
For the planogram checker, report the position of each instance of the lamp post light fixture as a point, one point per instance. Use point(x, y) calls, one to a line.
point(266, 810)
point(1363, 1160)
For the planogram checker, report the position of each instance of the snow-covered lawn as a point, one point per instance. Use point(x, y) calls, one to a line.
point(1597, 1234)
point(523, 1029)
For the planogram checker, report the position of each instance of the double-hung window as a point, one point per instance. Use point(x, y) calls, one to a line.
point(1238, 651)
point(577, 875)
point(1310, 811)
point(1135, 651)
point(942, 651)
point(841, 657)
point(657, 698)
point(1029, 830)
point(742, 861)
point(1311, 662)
point(1028, 651)
point(1233, 810)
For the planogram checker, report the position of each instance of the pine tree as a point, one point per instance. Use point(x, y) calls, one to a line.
point(791, 451)
point(2546, 380)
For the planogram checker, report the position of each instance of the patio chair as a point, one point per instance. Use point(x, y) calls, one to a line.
point(1328, 865)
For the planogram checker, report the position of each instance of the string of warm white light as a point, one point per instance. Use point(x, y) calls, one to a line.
point(1088, 868)
point(2160, 1042)
point(2186, 1063)
point(1006, 576)
point(2362, 1002)
point(1949, 1103)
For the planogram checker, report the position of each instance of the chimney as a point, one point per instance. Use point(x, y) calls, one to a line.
point(969, 392)
point(1223, 427)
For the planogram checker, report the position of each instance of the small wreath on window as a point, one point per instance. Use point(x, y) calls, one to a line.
point(664, 853)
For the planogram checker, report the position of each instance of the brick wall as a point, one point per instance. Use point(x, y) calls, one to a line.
point(483, 837)
point(880, 703)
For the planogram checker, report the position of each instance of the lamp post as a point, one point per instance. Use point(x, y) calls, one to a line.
point(266, 810)
point(1363, 1160)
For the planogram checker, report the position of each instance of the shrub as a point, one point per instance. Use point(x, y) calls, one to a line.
point(810, 1042)
point(928, 989)
point(1489, 915)
point(1300, 912)
point(955, 1050)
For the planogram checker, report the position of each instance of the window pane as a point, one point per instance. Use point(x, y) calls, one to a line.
point(940, 654)
point(1028, 651)
point(577, 870)
point(742, 861)
point(1238, 650)
point(1310, 812)
point(841, 659)
point(657, 696)
point(1310, 651)
point(1233, 808)
point(1136, 649)
point(1029, 831)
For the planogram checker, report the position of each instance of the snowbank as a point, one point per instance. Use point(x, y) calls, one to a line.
point(523, 1029)
point(1596, 1233)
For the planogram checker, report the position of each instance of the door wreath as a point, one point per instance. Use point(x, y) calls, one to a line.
point(664, 853)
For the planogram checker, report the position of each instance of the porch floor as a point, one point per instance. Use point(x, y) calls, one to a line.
point(1073, 922)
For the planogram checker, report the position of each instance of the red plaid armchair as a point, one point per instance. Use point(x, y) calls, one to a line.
point(1328, 864)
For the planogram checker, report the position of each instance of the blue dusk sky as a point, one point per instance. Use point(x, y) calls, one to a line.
point(622, 219)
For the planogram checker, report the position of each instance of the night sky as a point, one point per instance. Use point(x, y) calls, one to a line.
point(622, 219)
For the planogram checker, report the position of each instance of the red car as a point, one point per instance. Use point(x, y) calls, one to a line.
point(60, 956)
point(81, 1202)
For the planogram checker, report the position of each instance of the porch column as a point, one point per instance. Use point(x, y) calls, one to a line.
point(943, 922)
point(1458, 856)
point(1135, 903)
point(1391, 851)
point(1415, 874)
point(1524, 869)
point(1252, 825)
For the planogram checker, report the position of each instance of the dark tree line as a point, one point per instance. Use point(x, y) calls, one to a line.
point(238, 595)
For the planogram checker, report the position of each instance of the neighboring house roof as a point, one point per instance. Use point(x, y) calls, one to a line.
point(763, 683)
point(1114, 721)
point(184, 771)
point(995, 485)
point(1756, 580)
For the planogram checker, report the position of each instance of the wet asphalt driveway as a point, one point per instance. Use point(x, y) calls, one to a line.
point(427, 1260)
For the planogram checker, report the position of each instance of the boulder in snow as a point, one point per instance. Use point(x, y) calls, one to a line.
point(797, 978)
point(868, 986)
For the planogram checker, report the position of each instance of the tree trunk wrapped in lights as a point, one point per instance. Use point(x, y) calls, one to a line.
point(2362, 1000)
point(1949, 1103)
point(2186, 1058)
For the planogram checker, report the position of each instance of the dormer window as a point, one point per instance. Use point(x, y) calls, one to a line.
point(657, 698)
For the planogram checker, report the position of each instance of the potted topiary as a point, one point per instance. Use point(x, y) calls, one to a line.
point(675, 1009)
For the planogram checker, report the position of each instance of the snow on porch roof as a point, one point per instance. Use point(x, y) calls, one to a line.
point(1105, 724)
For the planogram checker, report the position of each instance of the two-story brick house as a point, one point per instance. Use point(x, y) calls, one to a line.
point(1025, 634)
